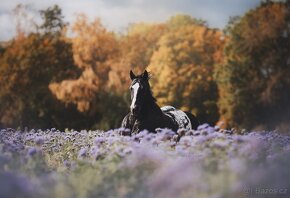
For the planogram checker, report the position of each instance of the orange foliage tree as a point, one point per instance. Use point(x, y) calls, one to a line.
point(27, 66)
point(95, 51)
point(183, 68)
point(254, 82)
point(193, 67)
point(136, 48)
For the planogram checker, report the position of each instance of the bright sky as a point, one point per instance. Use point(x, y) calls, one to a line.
point(117, 14)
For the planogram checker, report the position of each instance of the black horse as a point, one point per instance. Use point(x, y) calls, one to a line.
point(146, 114)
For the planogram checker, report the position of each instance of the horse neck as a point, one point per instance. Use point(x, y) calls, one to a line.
point(150, 107)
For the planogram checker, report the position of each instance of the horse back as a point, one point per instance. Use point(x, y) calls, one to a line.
point(177, 116)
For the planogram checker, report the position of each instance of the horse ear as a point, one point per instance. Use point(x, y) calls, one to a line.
point(132, 75)
point(145, 75)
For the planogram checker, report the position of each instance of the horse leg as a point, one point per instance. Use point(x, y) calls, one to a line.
point(127, 122)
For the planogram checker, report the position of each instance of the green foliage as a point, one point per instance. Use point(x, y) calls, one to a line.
point(254, 81)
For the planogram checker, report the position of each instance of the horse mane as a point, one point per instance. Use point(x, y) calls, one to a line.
point(151, 94)
point(150, 90)
point(149, 87)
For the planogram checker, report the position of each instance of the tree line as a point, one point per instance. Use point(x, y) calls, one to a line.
point(237, 76)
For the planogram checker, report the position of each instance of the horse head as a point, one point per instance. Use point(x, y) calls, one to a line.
point(140, 92)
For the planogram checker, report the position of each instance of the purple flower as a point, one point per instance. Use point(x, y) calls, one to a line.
point(201, 139)
point(67, 164)
point(99, 140)
point(32, 151)
point(39, 140)
point(203, 126)
point(220, 144)
point(97, 153)
point(181, 132)
point(82, 153)
point(210, 129)
point(186, 140)
point(166, 134)
point(237, 165)
point(141, 134)
point(128, 150)
point(162, 183)
point(124, 131)
point(12, 185)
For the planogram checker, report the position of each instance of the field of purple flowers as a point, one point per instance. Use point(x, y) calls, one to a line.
point(208, 162)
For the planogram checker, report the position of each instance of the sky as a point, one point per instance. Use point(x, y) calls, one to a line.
point(116, 15)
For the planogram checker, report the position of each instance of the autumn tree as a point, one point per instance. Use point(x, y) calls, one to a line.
point(27, 67)
point(183, 68)
point(95, 50)
point(140, 43)
point(254, 82)
point(181, 20)
point(136, 48)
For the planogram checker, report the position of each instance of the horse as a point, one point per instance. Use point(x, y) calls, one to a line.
point(146, 114)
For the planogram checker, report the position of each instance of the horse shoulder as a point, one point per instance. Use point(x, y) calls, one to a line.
point(160, 121)
point(149, 123)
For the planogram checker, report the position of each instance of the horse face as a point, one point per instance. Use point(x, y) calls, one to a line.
point(138, 89)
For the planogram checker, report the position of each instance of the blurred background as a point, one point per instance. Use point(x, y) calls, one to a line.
point(66, 64)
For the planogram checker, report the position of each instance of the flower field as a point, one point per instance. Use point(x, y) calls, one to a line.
point(207, 162)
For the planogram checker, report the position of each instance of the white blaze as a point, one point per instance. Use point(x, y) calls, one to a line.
point(135, 91)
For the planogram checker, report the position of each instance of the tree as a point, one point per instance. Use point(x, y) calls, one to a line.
point(140, 43)
point(95, 51)
point(183, 69)
point(181, 20)
point(253, 83)
point(136, 49)
point(52, 20)
point(28, 65)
